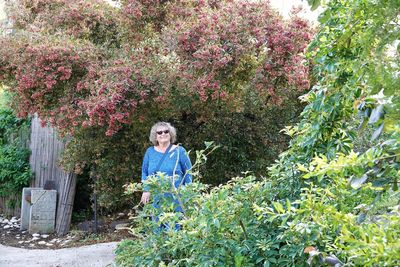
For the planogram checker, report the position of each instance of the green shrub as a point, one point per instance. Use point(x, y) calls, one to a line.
point(322, 203)
point(14, 156)
point(242, 223)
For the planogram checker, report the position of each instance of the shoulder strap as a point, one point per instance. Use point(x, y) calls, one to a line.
point(162, 159)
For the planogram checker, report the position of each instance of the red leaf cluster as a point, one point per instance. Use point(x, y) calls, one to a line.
point(215, 43)
point(204, 52)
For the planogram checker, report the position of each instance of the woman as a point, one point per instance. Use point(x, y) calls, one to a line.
point(165, 157)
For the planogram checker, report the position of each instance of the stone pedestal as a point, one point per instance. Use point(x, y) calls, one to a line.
point(26, 206)
point(38, 210)
point(43, 211)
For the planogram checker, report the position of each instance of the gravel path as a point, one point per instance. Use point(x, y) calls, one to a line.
point(98, 255)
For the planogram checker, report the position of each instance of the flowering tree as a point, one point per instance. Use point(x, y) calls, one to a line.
point(88, 68)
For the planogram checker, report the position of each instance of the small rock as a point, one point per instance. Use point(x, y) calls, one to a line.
point(122, 226)
point(65, 242)
point(23, 232)
point(6, 226)
point(45, 236)
point(49, 245)
point(42, 242)
point(36, 235)
point(31, 245)
point(5, 221)
point(8, 232)
point(17, 237)
point(20, 242)
point(35, 238)
point(121, 214)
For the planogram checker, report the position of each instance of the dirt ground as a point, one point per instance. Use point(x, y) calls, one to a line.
point(79, 235)
point(80, 247)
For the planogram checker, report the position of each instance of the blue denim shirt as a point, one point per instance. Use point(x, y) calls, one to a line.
point(152, 158)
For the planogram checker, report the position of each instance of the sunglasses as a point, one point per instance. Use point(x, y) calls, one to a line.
point(161, 132)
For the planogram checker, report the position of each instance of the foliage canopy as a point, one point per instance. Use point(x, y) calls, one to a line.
point(332, 198)
point(221, 69)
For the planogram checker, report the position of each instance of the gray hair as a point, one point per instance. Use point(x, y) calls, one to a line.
point(153, 132)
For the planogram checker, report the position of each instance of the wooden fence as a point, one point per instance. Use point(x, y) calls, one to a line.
point(46, 149)
point(14, 210)
point(45, 152)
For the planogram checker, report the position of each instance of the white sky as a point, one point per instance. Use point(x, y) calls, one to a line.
point(2, 13)
point(284, 7)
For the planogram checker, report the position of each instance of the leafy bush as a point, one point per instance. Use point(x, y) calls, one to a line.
point(14, 156)
point(14, 169)
point(242, 223)
point(323, 203)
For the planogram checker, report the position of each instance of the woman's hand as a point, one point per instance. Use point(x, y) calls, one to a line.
point(145, 197)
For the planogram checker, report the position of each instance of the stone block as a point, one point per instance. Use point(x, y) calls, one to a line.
point(43, 211)
point(26, 206)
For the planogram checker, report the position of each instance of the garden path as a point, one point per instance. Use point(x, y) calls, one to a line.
point(98, 255)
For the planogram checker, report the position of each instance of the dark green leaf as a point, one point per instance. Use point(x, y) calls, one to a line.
point(362, 125)
point(314, 4)
point(395, 185)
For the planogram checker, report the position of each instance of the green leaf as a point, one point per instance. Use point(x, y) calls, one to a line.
point(239, 260)
point(301, 167)
point(395, 185)
point(362, 125)
point(278, 207)
point(323, 39)
point(288, 205)
point(324, 16)
point(314, 4)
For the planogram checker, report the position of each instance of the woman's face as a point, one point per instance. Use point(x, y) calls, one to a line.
point(163, 135)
